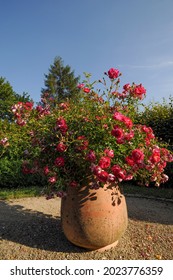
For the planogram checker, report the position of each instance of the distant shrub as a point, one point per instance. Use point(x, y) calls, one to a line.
point(12, 177)
point(13, 150)
point(160, 118)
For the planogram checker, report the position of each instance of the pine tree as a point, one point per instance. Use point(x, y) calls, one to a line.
point(60, 84)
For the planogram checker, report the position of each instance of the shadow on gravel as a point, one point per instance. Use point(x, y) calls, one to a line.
point(33, 229)
point(150, 210)
point(37, 230)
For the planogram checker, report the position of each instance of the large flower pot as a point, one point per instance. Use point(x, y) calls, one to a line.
point(94, 219)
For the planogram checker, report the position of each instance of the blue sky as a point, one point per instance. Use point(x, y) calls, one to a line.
point(134, 36)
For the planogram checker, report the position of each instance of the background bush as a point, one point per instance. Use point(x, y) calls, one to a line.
point(160, 118)
point(12, 155)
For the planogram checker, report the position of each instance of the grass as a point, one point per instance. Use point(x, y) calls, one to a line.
point(129, 188)
point(20, 192)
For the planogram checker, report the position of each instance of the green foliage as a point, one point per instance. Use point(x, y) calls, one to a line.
point(13, 141)
point(169, 172)
point(7, 98)
point(60, 84)
point(21, 192)
point(67, 139)
point(160, 118)
point(12, 154)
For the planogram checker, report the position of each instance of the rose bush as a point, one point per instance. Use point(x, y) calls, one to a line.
point(14, 146)
point(92, 138)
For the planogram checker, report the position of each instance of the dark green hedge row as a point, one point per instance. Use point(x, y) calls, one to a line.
point(160, 118)
point(12, 177)
point(12, 154)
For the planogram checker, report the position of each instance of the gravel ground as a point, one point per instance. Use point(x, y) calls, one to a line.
point(30, 229)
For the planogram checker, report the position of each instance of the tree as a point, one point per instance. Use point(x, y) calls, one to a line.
point(7, 98)
point(60, 84)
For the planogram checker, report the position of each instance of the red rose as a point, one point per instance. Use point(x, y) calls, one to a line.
point(117, 132)
point(137, 156)
point(155, 157)
point(73, 184)
point(138, 91)
point(59, 162)
point(126, 87)
point(91, 156)
point(118, 172)
point(104, 162)
point(86, 90)
point(128, 122)
point(84, 143)
point(62, 125)
point(130, 161)
point(102, 176)
point(113, 73)
point(28, 106)
point(61, 147)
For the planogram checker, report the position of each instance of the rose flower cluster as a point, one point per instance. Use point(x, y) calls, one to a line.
point(92, 138)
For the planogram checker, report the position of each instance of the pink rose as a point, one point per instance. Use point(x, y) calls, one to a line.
point(111, 178)
point(96, 169)
point(63, 106)
point(109, 153)
point(118, 116)
point(129, 136)
point(46, 170)
point(80, 86)
point(52, 180)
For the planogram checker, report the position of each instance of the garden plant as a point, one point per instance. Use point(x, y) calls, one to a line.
point(91, 137)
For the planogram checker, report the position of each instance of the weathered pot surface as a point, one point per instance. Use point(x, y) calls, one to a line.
point(94, 219)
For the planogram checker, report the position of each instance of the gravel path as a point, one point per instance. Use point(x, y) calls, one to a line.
point(30, 229)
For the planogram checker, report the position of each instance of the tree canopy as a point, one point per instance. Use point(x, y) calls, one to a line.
point(60, 83)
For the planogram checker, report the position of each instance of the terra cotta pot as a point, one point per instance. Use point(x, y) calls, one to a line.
point(94, 219)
